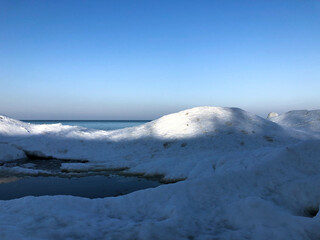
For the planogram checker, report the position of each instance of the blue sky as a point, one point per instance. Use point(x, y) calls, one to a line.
point(133, 59)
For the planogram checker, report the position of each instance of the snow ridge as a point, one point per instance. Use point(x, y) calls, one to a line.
point(308, 121)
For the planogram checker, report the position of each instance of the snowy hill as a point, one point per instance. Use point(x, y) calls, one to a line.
point(304, 120)
point(245, 178)
point(157, 147)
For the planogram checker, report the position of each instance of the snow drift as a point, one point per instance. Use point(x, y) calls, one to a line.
point(303, 120)
point(157, 147)
point(245, 178)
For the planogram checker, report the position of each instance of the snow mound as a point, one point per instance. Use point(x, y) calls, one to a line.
point(169, 146)
point(185, 124)
point(9, 126)
point(199, 122)
point(10, 153)
point(208, 120)
point(304, 120)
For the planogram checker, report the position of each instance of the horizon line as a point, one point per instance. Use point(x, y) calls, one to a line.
point(110, 120)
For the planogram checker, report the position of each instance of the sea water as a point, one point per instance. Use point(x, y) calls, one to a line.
point(93, 124)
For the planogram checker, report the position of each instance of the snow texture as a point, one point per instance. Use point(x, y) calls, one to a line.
point(244, 177)
point(303, 120)
point(10, 153)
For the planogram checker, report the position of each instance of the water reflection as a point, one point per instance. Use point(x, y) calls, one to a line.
point(8, 179)
point(88, 186)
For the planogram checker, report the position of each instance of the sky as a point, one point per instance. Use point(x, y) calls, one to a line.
point(134, 59)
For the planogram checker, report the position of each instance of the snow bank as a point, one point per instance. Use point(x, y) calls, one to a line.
point(304, 120)
point(157, 147)
point(246, 178)
point(10, 153)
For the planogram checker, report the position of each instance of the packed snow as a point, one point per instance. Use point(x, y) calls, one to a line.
point(10, 153)
point(238, 176)
point(303, 120)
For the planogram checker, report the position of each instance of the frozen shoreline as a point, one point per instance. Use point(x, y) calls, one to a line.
point(246, 178)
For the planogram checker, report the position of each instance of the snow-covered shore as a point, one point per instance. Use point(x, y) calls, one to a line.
point(245, 177)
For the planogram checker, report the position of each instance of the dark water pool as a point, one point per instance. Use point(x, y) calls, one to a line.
point(85, 186)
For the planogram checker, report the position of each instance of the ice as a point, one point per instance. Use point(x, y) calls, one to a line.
point(242, 177)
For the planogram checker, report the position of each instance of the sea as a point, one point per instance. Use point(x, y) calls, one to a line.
point(93, 124)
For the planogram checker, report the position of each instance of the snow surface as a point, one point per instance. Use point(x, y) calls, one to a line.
point(300, 119)
point(10, 153)
point(245, 177)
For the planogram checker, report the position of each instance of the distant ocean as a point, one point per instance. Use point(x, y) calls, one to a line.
point(93, 124)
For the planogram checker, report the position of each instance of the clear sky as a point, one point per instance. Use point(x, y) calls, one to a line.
point(133, 59)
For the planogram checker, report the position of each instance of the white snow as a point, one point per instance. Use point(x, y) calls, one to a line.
point(303, 120)
point(9, 153)
point(245, 178)
point(272, 115)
